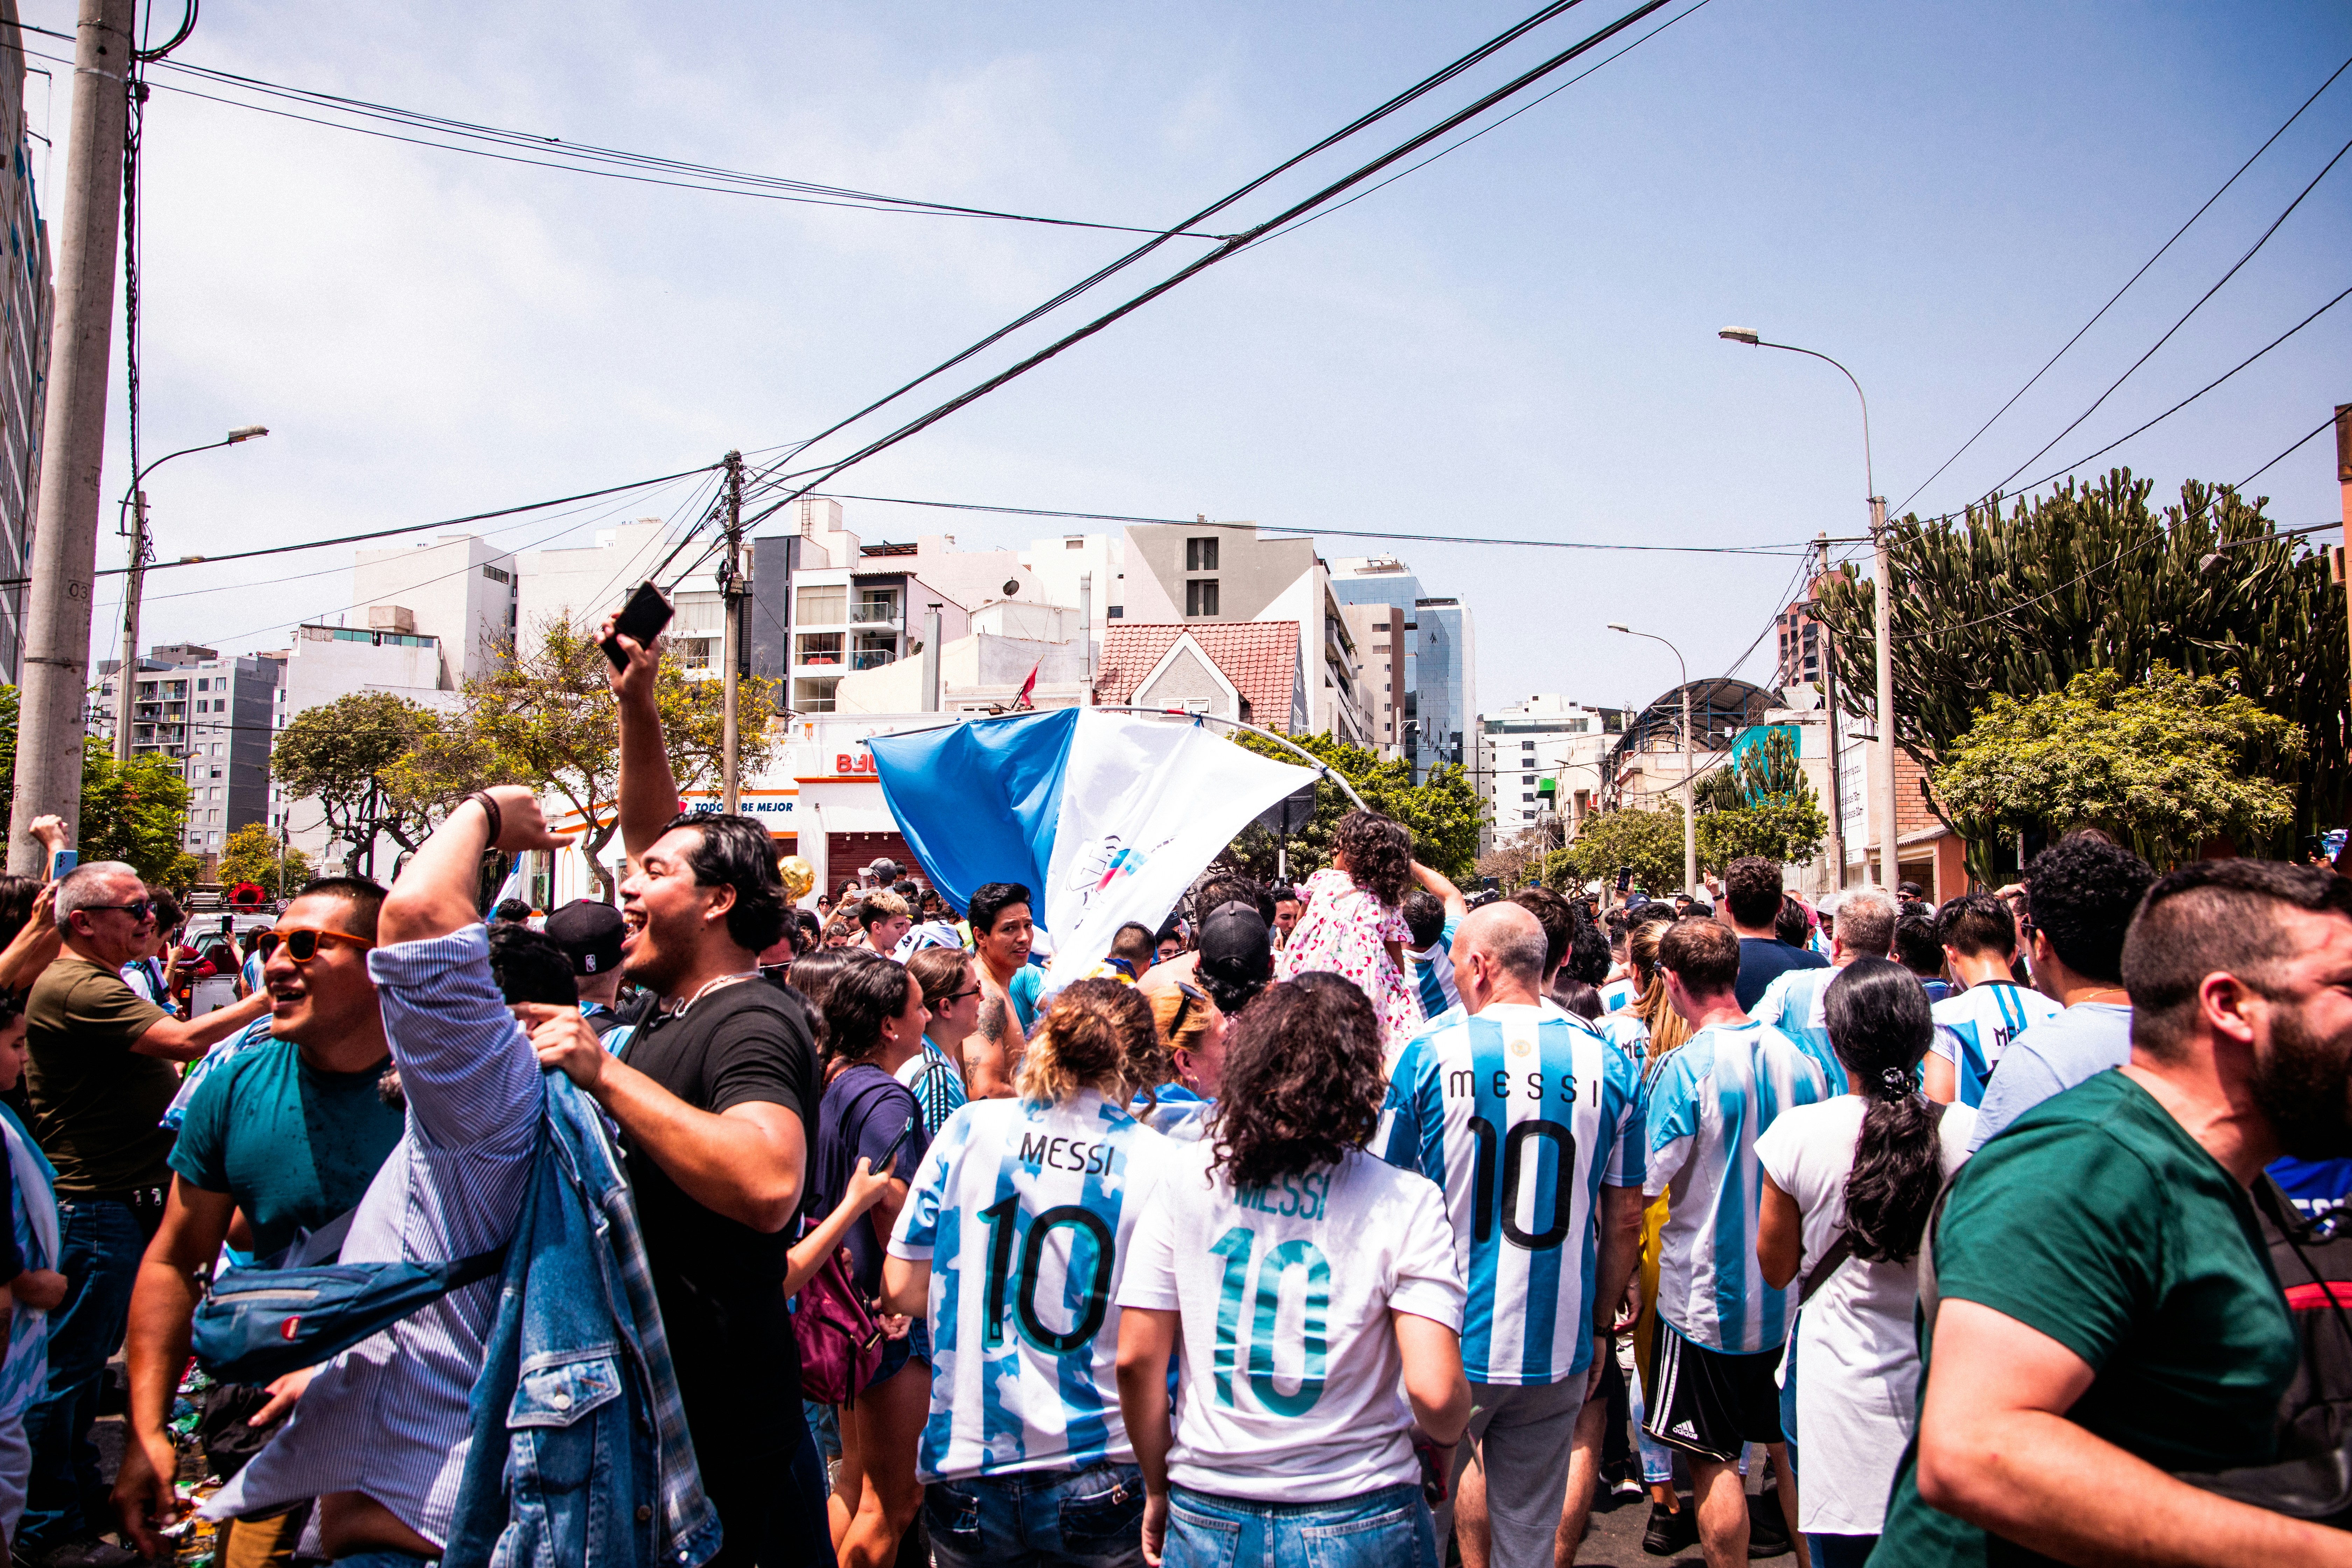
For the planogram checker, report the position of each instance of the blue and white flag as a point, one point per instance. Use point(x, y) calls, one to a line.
point(1107, 817)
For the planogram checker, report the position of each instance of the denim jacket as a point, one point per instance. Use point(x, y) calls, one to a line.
point(578, 1427)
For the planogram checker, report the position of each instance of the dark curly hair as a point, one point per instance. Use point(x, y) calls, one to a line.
point(1379, 852)
point(1880, 1027)
point(860, 997)
point(737, 852)
point(1302, 1083)
point(2082, 891)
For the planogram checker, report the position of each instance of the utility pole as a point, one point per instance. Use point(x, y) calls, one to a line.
point(731, 582)
point(126, 673)
point(1690, 796)
point(73, 435)
point(1830, 706)
point(2344, 479)
point(1882, 602)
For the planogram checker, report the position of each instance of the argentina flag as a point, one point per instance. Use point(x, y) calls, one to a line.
point(1106, 816)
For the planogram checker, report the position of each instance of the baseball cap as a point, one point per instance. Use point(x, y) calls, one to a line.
point(591, 932)
point(1235, 949)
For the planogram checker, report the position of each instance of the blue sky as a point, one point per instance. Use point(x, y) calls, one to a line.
point(1517, 340)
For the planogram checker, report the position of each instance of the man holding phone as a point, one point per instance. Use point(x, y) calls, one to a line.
point(716, 1095)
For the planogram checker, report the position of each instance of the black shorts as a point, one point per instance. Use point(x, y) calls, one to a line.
point(1709, 1403)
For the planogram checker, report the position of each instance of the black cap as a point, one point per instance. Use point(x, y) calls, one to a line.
point(591, 932)
point(1236, 950)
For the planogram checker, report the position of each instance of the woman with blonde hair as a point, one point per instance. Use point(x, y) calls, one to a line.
point(1192, 1030)
point(1663, 1032)
point(1013, 1244)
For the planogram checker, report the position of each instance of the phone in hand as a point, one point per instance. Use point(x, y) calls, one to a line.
point(1624, 880)
point(641, 620)
point(891, 1153)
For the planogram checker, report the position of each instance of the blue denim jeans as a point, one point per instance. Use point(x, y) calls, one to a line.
point(1039, 1519)
point(385, 1557)
point(1388, 1529)
point(100, 1246)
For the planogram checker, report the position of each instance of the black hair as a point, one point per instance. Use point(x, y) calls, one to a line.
point(735, 851)
point(362, 896)
point(1588, 953)
point(1284, 893)
point(1977, 923)
point(1424, 916)
point(1577, 997)
point(813, 977)
point(1752, 885)
point(1557, 916)
point(2083, 891)
point(1790, 925)
point(1302, 1082)
point(1221, 888)
point(531, 966)
point(992, 900)
point(1621, 926)
point(860, 997)
point(1134, 943)
point(1702, 954)
point(514, 911)
point(1379, 852)
point(2214, 917)
point(16, 897)
point(1880, 1027)
point(1918, 943)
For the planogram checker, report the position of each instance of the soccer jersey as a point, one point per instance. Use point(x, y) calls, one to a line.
point(1025, 1212)
point(1620, 993)
point(1522, 1114)
point(1796, 1003)
point(1974, 1027)
point(1433, 972)
point(1706, 1106)
point(1628, 1034)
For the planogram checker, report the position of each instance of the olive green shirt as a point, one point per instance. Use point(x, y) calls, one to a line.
point(96, 1104)
point(2097, 1220)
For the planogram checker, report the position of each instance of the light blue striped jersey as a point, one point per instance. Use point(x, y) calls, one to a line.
point(1708, 1103)
point(1796, 1005)
point(1025, 1212)
point(1620, 993)
point(1973, 1027)
point(1628, 1034)
point(1432, 968)
point(1520, 1114)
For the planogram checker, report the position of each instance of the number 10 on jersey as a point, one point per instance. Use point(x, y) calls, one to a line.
point(1238, 1246)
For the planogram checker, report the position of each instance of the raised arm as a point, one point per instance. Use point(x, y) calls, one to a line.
point(1442, 887)
point(183, 1040)
point(648, 789)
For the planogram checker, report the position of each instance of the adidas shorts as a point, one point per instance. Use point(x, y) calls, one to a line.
point(1709, 1403)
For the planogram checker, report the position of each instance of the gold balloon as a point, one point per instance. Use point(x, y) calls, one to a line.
point(798, 874)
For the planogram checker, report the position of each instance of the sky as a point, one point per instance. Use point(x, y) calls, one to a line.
point(1517, 342)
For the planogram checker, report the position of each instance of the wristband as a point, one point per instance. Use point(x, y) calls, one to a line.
point(490, 810)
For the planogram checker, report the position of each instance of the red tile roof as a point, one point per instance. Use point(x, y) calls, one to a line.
point(1260, 658)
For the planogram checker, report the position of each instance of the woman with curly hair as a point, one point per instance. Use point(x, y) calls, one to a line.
point(1354, 924)
point(1319, 1300)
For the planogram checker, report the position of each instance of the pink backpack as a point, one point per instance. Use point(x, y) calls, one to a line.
point(839, 1336)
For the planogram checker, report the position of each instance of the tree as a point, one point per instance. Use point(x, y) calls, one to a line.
point(134, 812)
point(2163, 766)
point(342, 754)
point(1443, 813)
point(1761, 805)
point(251, 855)
point(2091, 578)
point(1649, 841)
point(546, 719)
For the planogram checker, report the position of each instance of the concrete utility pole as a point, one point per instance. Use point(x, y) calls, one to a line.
point(732, 644)
point(51, 721)
point(2344, 479)
point(1690, 766)
point(1830, 709)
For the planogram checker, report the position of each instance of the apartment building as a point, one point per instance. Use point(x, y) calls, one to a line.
point(26, 304)
point(1541, 760)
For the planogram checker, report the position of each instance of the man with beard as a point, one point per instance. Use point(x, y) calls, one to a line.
point(2104, 1309)
point(715, 1097)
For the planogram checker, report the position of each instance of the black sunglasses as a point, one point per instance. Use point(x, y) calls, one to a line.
point(139, 909)
point(1186, 996)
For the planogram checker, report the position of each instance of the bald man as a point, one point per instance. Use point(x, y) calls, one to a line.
point(1527, 1118)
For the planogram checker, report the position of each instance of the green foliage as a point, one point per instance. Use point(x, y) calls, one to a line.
point(2091, 578)
point(251, 855)
point(130, 812)
point(2163, 766)
point(343, 755)
point(1443, 813)
point(1649, 841)
point(1762, 804)
point(546, 719)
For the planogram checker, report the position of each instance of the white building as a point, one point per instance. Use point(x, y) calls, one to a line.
point(1542, 758)
point(458, 589)
point(324, 663)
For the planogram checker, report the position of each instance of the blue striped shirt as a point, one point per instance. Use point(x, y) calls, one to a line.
point(1973, 1028)
point(1520, 1114)
point(1433, 972)
point(1708, 1105)
point(1797, 1004)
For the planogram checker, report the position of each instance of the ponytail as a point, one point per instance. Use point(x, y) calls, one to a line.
point(1880, 1026)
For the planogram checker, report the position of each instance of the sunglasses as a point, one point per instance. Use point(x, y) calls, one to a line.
point(952, 997)
point(302, 942)
point(1186, 996)
point(138, 909)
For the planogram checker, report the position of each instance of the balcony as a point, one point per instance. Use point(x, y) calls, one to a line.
point(872, 658)
point(875, 613)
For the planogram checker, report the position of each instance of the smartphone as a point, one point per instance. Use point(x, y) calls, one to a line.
point(63, 862)
point(1624, 880)
point(641, 620)
point(891, 1153)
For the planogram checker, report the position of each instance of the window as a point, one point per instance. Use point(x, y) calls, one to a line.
point(204, 686)
point(495, 575)
point(1386, 669)
point(814, 694)
point(1527, 778)
point(695, 652)
point(823, 607)
point(1079, 544)
point(1200, 555)
point(817, 647)
point(1201, 597)
point(872, 650)
point(1379, 626)
point(876, 606)
point(1531, 797)
point(1530, 745)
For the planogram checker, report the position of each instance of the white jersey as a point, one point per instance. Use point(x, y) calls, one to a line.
point(1620, 993)
point(1292, 1384)
point(1709, 1104)
point(1973, 1027)
point(1521, 1114)
point(1026, 1214)
point(1797, 1004)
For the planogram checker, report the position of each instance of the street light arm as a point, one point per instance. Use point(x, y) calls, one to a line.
point(1869, 480)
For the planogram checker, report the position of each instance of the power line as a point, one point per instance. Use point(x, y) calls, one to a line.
point(2283, 456)
point(2176, 326)
point(2119, 293)
point(1224, 251)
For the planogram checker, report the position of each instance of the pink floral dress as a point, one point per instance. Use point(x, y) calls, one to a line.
point(1345, 929)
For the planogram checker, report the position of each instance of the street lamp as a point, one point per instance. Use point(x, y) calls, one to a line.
point(134, 503)
point(1690, 798)
point(1883, 618)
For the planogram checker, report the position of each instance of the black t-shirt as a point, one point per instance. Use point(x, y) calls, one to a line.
point(720, 1281)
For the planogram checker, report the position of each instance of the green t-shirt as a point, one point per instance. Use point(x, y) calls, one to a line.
point(96, 1104)
point(2097, 1220)
point(295, 1146)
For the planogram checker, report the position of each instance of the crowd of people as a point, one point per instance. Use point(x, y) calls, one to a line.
point(1357, 1222)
